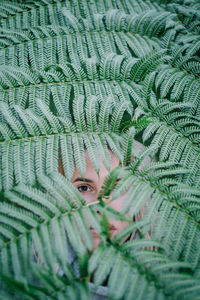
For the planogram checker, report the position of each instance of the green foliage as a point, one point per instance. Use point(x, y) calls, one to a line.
point(99, 75)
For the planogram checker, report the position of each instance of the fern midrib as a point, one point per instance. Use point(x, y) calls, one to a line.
point(77, 33)
point(54, 134)
point(67, 82)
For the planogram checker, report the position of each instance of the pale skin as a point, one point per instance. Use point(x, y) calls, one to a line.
point(90, 188)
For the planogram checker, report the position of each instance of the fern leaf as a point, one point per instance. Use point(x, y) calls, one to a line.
point(91, 113)
point(11, 120)
point(109, 259)
point(147, 87)
point(104, 114)
point(103, 150)
point(79, 114)
point(50, 117)
point(93, 152)
point(79, 155)
point(73, 234)
point(67, 155)
point(127, 144)
point(117, 116)
point(147, 64)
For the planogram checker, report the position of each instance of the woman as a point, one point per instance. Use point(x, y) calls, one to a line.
point(89, 186)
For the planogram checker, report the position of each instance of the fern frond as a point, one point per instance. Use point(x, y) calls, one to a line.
point(79, 114)
point(127, 144)
point(36, 136)
point(90, 78)
point(149, 62)
point(45, 232)
point(79, 153)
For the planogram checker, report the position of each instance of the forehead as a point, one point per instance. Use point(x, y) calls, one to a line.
point(90, 171)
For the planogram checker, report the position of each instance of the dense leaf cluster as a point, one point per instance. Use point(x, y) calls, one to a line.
point(79, 75)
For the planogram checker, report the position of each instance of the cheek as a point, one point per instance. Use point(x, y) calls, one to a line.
point(96, 241)
point(118, 203)
point(90, 197)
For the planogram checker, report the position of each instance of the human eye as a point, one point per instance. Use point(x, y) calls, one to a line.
point(84, 188)
point(88, 189)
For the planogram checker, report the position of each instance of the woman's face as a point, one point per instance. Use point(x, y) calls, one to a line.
point(91, 187)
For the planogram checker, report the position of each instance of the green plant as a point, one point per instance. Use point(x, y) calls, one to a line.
point(88, 74)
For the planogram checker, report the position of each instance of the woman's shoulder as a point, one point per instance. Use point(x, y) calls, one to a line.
point(101, 293)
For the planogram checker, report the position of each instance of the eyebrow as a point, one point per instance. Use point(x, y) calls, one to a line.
point(89, 180)
point(83, 179)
